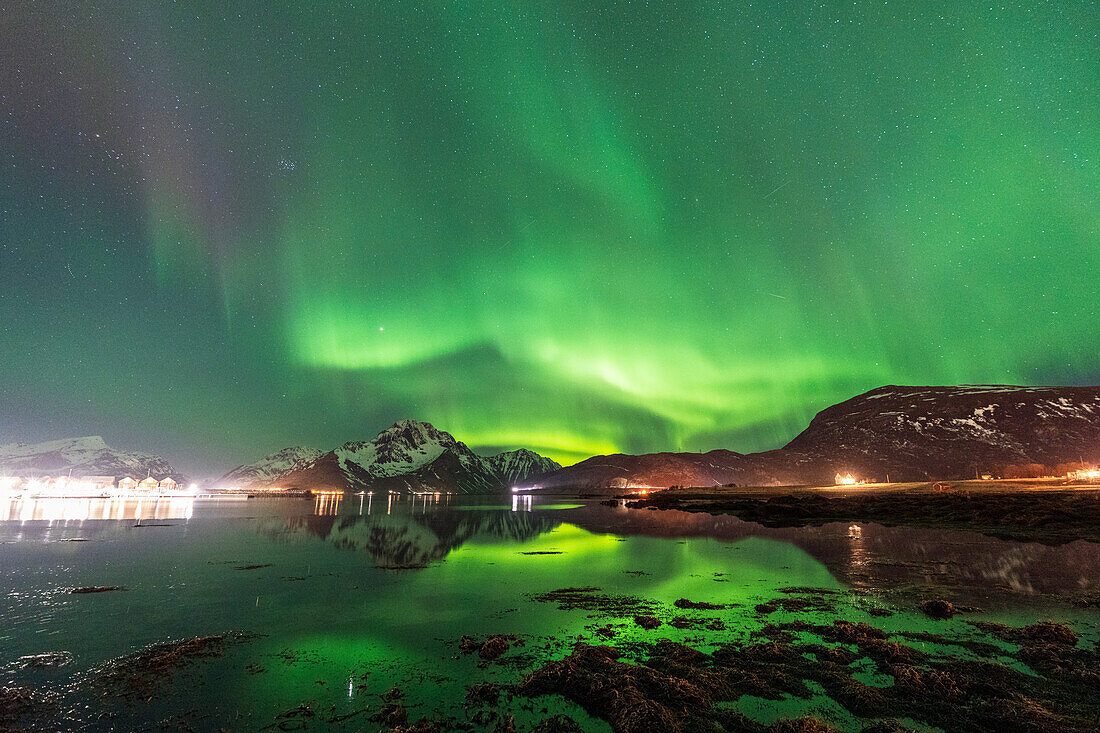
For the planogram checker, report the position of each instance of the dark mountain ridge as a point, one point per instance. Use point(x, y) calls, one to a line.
point(904, 433)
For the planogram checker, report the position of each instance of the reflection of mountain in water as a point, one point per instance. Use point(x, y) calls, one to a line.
point(874, 557)
point(403, 540)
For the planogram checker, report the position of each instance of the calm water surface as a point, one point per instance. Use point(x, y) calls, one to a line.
point(346, 599)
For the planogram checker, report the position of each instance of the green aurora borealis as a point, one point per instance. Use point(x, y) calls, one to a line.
point(579, 227)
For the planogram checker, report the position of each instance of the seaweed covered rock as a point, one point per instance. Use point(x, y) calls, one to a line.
point(1043, 632)
point(940, 609)
point(22, 708)
point(697, 605)
point(490, 647)
point(485, 693)
point(558, 724)
point(632, 698)
point(801, 725)
point(144, 672)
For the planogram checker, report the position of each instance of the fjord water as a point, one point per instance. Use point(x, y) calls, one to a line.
point(343, 599)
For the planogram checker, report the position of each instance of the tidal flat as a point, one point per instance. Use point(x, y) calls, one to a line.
point(389, 613)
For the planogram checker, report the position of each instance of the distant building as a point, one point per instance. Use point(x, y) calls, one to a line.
point(845, 479)
point(98, 482)
point(147, 484)
point(127, 483)
point(167, 484)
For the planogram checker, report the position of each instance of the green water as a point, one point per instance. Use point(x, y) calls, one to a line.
point(355, 598)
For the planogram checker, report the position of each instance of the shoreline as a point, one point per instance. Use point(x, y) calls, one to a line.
point(1027, 512)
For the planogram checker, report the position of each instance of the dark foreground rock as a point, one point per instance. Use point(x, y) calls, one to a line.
point(22, 708)
point(941, 609)
point(150, 670)
point(678, 688)
point(490, 647)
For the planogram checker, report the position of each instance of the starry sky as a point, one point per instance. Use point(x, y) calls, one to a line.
point(576, 226)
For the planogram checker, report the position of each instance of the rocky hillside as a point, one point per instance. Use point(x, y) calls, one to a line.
point(613, 473)
point(408, 456)
point(264, 471)
point(88, 456)
point(904, 433)
point(517, 467)
point(916, 433)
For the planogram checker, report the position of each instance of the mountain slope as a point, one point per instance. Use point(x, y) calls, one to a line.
point(263, 472)
point(718, 467)
point(516, 467)
point(88, 456)
point(952, 432)
point(906, 433)
point(409, 455)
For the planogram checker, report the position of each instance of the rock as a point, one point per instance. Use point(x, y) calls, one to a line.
point(558, 724)
point(701, 605)
point(142, 673)
point(941, 609)
point(801, 725)
point(507, 724)
point(492, 647)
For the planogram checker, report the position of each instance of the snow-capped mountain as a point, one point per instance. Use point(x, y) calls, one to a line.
point(953, 432)
point(407, 456)
point(263, 472)
point(904, 433)
point(515, 467)
point(88, 456)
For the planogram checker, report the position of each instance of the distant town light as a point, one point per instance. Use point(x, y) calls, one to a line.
point(845, 479)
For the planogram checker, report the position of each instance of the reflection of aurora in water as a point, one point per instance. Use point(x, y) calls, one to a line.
point(310, 584)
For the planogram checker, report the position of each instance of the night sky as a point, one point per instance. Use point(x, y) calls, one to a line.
point(575, 226)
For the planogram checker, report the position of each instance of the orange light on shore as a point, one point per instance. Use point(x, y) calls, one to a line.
point(845, 479)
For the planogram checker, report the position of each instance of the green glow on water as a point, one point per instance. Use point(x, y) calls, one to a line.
point(337, 628)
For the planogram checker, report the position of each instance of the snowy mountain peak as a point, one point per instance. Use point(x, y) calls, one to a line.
point(265, 471)
point(408, 455)
point(412, 433)
point(88, 455)
point(405, 446)
point(63, 446)
point(517, 466)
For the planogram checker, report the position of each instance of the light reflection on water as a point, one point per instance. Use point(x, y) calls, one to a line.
point(77, 509)
point(82, 510)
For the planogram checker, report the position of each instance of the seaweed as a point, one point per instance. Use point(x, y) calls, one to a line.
point(145, 672)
